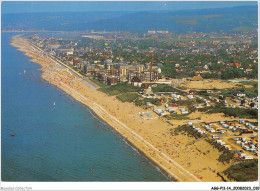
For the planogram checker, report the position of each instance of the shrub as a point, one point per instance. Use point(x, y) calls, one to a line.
point(122, 87)
point(176, 117)
point(97, 82)
point(129, 97)
point(185, 128)
point(226, 156)
point(141, 102)
point(236, 112)
point(246, 170)
point(187, 103)
point(166, 88)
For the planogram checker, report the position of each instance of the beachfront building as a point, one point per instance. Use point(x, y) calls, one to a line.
point(123, 70)
point(113, 80)
point(147, 88)
point(110, 77)
point(145, 76)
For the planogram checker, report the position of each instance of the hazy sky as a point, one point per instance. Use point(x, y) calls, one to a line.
point(64, 6)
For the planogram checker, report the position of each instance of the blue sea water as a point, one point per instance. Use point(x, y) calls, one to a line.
point(57, 143)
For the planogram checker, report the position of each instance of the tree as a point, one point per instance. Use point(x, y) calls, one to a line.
point(242, 102)
point(254, 72)
point(252, 104)
point(168, 70)
point(232, 72)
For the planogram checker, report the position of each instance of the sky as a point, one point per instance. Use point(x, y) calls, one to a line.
point(84, 6)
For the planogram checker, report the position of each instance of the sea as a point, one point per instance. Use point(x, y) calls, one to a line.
point(64, 141)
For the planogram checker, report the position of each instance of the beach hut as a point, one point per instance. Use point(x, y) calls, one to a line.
point(242, 154)
point(244, 139)
point(251, 126)
point(162, 114)
point(223, 131)
point(206, 127)
point(252, 150)
point(230, 127)
point(225, 125)
point(245, 147)
point(234, 129)
point(171, 110)
point(212, 131)
point(238, 142)
point(184, 112)
point(248, 157)
point(149, 104)
point(227, 147)
point(181, 109)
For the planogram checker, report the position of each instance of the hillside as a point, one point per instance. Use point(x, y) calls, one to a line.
point(204, 20)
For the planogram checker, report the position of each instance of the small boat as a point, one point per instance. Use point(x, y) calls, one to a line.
point(92, 170)
point(24, 71)
point(54, 104)
point(12, 134)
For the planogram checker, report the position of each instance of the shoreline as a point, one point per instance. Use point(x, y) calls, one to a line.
point(166, 164)
point(140, 152)
point(94, 112)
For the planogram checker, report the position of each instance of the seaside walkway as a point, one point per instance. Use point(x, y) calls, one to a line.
point(73, 72)
point(177, 171)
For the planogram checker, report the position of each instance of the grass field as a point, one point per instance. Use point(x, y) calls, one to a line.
point(120, 88)
point(127, 97)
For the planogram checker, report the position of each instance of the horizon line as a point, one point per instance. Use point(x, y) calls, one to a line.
point(33, 12)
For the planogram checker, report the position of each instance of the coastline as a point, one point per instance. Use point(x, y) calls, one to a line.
point(123, 118)
point(140, 152)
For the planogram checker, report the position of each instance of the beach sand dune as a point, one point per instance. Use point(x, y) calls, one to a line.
point(209, 84)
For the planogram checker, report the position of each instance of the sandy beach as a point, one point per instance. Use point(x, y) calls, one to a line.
point(210, 84)
point(173, 154)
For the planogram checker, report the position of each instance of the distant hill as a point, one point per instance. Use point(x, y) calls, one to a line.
point(201, 20)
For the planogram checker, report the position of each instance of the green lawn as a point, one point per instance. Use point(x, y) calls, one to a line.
point(98, 82)
point(127, 97)
point(165, 88)
point(120, 88)
point(142, 102)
